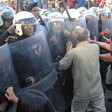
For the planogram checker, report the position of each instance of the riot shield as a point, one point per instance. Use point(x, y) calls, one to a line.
point(72, 26)
point(107, 28)
point(57, 43)
point(73, 14)
point(8, 76)
point(80, 22)
point(61, 34)
point(106, 32)
point(31, 57)
point(81, 9)
point(92, 24)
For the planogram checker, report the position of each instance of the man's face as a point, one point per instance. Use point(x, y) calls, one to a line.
point(62, 9)
point(102, 17)
point(92, 0)
point(7, 24)
point(34, 11)
point(109, 16)
point(50, 6)
point(89, 18)
point(57, 27)
point(28, 30)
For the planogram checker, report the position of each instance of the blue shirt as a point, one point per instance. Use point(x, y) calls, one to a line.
point(3, 4)
point(80, 3)
point(51, 10)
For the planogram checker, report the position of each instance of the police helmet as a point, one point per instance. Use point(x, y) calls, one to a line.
point(22, 19)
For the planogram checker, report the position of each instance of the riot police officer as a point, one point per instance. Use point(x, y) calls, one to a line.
point(25, 24)
point(6, 17)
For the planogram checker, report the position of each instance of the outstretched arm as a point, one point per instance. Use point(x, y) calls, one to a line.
point(104, 45)
point(106, 57)
point(101, 44)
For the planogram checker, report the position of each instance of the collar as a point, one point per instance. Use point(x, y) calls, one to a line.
point(82, 43)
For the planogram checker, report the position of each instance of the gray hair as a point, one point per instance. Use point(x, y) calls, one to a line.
point(82, 34)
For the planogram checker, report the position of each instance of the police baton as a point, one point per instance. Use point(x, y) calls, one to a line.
point(17, 5)
point(44, 24)
point(88, 4)
point(70, 19)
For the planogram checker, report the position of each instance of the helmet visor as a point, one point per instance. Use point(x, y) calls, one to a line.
point(7, 16)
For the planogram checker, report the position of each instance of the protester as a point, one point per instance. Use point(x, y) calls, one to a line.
point(84, 60)
point(93, 3)
point(71, 3)
point(108, 46)
point(85, 67)
point(80, 3)
point(25, 100)
point(99, 2)
point(52, 2)
point(58, 4)
point(5, 105)
point(61, 9)
point(105, 57)
point(50, 8)
point(12, 4)
point(39, 3)
point(44, 4)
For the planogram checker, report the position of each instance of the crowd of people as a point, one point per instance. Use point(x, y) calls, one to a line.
point(56, 4)
point(44, 44)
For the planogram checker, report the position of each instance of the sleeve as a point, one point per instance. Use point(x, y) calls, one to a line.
point(111, 53)
point(106, 57)
point(3, 37)
point(98, 48)
point(67, 61)
point(11, 40)
point(85, 4)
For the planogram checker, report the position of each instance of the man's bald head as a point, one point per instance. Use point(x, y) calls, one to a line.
point(82, 34)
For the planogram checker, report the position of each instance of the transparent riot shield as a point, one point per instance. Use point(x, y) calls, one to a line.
point(102, 16)
point(80, 22)
point(72, 26)
point(106, 32)
point(8, 76)
point(60, 34)
point(31, 57)
point(68, 33)
point(55, 42)
point(106, 29)
point(92, 25)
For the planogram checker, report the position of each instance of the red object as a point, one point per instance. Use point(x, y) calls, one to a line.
point(12, 5)
point(99, 1)
point(70, 3)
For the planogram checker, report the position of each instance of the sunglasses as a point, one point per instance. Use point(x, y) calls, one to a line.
point(27, 26)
